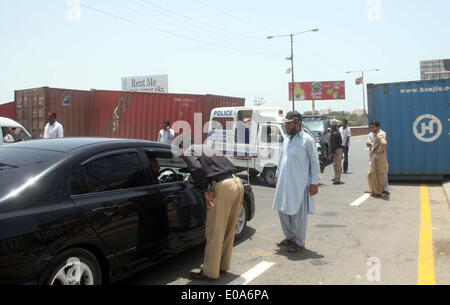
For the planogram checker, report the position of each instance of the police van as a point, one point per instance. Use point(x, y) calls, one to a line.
point(251, 137)
point(12, 132)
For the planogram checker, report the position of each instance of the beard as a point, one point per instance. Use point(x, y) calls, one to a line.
point(291, 131)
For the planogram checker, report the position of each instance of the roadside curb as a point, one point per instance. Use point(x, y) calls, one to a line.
point(446, 186)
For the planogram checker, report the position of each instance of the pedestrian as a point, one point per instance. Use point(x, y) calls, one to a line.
point(166, 134)
point(378, 162)
point(346, 133)
point(336, 152)
point(7, 137)
point(369, 144)
point(297, 179)
point(53, 129)
point(214, 175)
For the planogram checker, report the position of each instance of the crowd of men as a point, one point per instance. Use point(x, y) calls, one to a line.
point(297, 179)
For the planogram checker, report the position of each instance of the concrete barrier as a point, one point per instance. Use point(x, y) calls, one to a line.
point(359, 130)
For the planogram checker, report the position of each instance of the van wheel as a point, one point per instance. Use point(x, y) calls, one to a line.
point(269, 176)
point(253, 174)
point(75, 266)
point(242, 222)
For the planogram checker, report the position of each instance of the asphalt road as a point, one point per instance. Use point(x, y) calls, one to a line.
point(380, 241)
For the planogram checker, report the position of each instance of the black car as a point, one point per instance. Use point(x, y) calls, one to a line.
point(320, 126)
point(93, 211)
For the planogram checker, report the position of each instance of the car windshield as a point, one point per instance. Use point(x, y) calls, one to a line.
point(314, 125)
point(18, 166)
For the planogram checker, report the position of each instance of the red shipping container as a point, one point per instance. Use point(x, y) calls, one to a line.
point(7, 110)
point(73, 110)
point(118, 114)
point(139, 115)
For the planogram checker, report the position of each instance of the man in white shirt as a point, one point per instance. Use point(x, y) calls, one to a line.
point(53, 129)
point(345, 134)
point(166, 135)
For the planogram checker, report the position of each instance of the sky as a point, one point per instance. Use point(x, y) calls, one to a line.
point(219, 47)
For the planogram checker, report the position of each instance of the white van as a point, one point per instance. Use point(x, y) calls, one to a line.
point(251, 137)
point(12, 132)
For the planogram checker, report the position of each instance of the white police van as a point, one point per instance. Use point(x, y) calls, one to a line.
point(251, 137)
point(11, 131)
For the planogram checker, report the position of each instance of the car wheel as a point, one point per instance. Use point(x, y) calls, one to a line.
point(269, 176)
point(73, 267)
point(242, 221)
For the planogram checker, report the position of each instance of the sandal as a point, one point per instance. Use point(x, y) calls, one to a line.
point(286, 242)
point(199, 275)
point(294, 248)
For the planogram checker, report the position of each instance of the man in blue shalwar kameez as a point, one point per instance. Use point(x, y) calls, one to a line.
point(297, 181)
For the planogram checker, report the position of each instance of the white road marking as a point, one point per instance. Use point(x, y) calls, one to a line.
point(360, 200)
point(251, 274)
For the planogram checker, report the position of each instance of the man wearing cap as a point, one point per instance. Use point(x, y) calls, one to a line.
point(336, 151)
point(297, 179)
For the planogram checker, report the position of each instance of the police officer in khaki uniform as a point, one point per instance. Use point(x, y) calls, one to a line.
point(223, 192)
point(378, 161)
point(336, 152)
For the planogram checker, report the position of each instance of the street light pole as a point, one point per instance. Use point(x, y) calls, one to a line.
point(292, 58)
point(292, 70)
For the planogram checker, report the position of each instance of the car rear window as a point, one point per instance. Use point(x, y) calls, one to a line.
point(19, 165)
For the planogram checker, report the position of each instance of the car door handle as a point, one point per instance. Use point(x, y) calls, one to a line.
point(107, 210)
point(172, 198)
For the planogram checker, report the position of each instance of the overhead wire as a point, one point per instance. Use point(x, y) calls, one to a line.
point(168, 12)
point(172, 33)
point(259, 27)
point(211, 34)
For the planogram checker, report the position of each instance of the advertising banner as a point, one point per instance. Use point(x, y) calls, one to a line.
point(309, 91)
point(152, 83)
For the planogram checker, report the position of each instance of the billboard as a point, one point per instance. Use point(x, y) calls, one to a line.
point(314, 91)
point(152, 83)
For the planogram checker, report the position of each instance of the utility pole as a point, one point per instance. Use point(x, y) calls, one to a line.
point(292, 58)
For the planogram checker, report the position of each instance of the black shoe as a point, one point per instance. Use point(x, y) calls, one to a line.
point(338, 182)
point(197, 274)
point(223, 271)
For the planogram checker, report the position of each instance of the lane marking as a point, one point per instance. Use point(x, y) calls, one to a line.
point(360, 200)
point(251, 274)
point(425, 269)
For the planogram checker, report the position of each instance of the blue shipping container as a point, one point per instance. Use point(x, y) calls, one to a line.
point(415, 117)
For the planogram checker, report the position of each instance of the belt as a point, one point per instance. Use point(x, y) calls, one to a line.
point(221, 177)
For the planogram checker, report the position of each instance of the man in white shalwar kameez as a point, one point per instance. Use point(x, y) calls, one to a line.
point(297, 180)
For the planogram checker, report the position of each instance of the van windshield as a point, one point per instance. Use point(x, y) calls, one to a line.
point(14, 134)
point(316, 126)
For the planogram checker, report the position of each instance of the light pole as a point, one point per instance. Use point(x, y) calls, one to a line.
point(362, 77)
point(292, 56)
